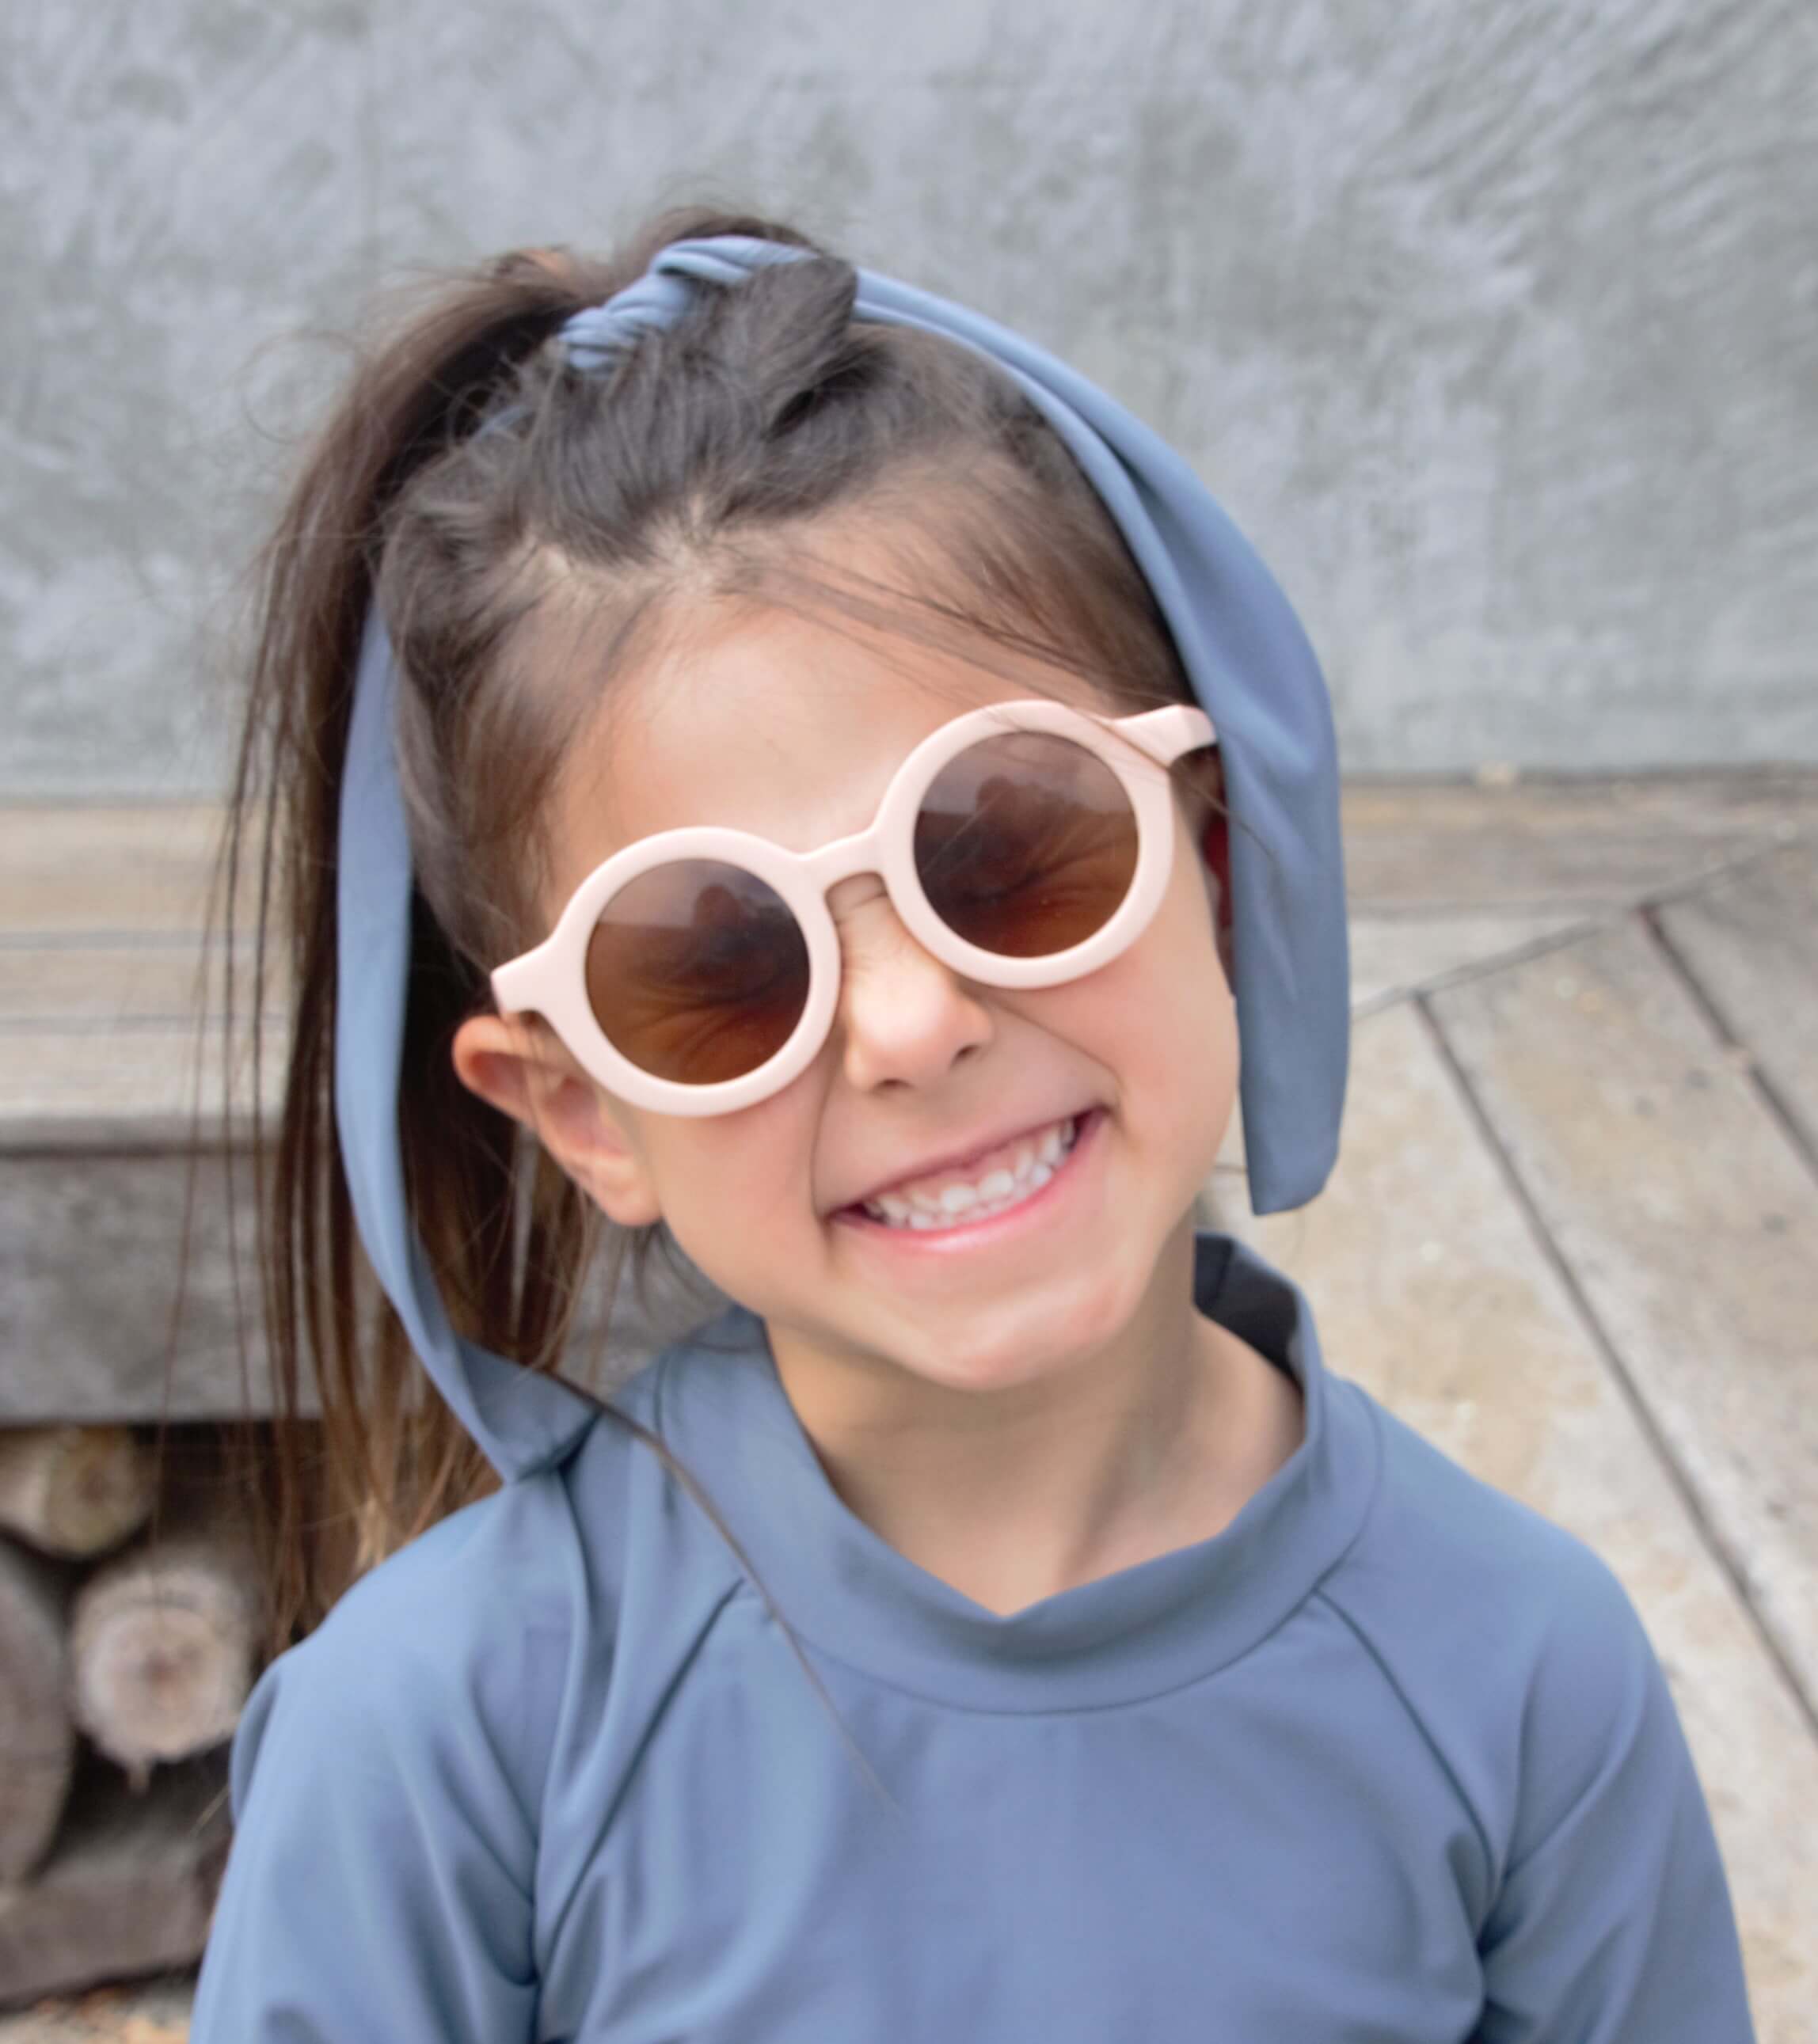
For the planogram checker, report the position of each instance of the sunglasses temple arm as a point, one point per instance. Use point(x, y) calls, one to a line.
point(515, 985)
point(1165, 734)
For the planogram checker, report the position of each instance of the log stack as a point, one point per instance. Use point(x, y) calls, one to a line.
point(128, 1643)
point(126, 1255)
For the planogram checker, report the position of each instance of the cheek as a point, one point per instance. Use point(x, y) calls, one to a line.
point(736, 1195)
point(1164, 999)
point(1184, 939)
point(722, 1179)
point(1167, 1001)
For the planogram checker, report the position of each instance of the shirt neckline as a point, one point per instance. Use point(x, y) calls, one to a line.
point(719, 1402)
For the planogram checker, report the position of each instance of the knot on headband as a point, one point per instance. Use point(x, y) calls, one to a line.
point(1249, 668)
point(592, 340)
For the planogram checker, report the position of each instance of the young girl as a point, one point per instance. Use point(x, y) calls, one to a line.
point(765, 759)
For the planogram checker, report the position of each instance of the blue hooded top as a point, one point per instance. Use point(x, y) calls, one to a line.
point(1389, 1760)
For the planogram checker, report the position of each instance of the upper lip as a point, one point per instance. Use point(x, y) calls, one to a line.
point(958, 1160)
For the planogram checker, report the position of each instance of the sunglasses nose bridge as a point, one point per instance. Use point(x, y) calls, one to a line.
point(862, 852)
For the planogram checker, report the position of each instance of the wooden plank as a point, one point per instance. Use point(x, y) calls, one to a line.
point(1751, 941)
point(91, 1247)
point(99, 981)
point(96, 1087)
point(1691, 1223)
point(88, 981)
point(1587, 845)
point(1430, 1290)
point(1392, 956)
point(105, 867)
point(89, 1266)
point(129, 1887)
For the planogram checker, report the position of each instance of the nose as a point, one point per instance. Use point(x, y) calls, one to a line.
point(904, 1017)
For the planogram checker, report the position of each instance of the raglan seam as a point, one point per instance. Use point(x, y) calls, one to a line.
point(1378, 1417)
point(683, 1668)
point(585, 1585)
point(549, 1940)
point(581, 1588)
point(1355, 1628)
point(525, 1765)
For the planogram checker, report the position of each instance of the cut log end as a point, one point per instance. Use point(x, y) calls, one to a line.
point(74, 1491)
point(162, 1651)
point(37, 1740)
point(128, 1886)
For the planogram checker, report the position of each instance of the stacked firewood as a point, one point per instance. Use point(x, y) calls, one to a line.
point(129, 1642)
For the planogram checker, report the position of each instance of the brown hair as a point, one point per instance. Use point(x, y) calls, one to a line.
point(485, 494)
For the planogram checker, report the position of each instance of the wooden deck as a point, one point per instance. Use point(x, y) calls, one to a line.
point(1572, 1237)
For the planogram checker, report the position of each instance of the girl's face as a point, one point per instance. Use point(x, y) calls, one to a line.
point(767, 721)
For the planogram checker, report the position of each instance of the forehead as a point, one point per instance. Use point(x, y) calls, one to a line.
point(771, 720)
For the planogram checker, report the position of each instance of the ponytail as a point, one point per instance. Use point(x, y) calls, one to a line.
point(361, 1454)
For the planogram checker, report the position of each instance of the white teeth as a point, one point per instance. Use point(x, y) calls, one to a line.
point(996, 1193)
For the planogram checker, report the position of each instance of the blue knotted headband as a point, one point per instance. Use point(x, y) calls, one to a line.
point(1249, 666)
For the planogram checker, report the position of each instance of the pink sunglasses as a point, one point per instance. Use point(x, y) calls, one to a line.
point(696, 971)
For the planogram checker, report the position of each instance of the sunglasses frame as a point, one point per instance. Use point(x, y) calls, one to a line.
point(551, 978)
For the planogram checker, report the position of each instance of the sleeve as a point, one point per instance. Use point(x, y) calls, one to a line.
point(1612, 1923)
point(379, 1886)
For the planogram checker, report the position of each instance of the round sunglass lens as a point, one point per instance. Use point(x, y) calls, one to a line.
point(1025, 844)
point(697, 971)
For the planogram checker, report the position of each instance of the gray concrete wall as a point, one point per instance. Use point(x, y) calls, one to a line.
point(1496, 325)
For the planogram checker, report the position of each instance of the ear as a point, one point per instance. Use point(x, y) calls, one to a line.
point(520, 1066)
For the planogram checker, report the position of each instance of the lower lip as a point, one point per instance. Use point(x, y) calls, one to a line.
point(994, 1228)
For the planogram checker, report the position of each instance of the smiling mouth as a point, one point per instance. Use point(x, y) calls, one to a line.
point(1013, 1172)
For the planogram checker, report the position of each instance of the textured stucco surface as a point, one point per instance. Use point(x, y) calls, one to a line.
point(1496, 325)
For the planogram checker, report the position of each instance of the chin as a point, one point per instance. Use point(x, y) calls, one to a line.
point(1039, 1334)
